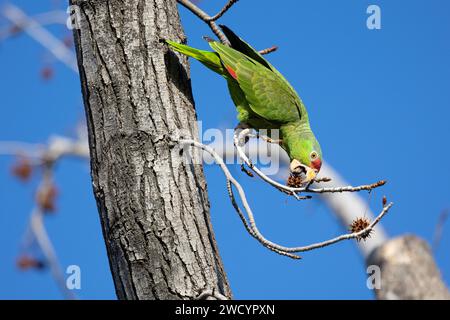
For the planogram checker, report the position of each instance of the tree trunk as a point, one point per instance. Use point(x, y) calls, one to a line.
point(408, 270)
point(153, 207)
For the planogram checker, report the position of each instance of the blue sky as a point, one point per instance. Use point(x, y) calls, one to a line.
point(379, 102)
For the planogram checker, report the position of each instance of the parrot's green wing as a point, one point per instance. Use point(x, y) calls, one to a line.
point(240, 45)
point(245, 113)
point(267, 92)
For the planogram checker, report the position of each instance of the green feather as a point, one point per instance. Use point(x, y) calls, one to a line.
point(267, 92)
point(208, 58)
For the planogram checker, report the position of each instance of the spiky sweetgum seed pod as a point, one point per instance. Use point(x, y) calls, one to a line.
point(359, 224)
point(294, 181)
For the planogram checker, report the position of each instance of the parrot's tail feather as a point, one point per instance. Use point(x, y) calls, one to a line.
point(208, 58)
point(242, 46)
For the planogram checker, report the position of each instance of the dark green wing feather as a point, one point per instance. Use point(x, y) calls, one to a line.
point(268, 93)
point(240, 45)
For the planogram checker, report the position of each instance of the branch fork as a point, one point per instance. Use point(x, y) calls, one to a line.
point(211, 21)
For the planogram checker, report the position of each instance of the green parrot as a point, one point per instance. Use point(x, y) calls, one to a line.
point(264, 99)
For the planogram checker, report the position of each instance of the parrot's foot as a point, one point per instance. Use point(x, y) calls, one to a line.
point(270, 140)
point(244, 125)
point(240, 127)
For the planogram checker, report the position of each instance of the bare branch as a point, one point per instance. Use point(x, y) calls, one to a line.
point(357, 235)
point(46, 246)
point(268, 50)
point(347, 207)
point(39, 231)
point(240, 140)
point(439, 229)
point(211, 21)
point(12, 148)
point(206, 18)
point(41, 35)
point(227, 7)
point(56, 148)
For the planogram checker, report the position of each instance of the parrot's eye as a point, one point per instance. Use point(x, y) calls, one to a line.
point(313, 156)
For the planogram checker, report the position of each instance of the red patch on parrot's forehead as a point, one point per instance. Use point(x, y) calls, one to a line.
point(231, 72)
point(316, 164)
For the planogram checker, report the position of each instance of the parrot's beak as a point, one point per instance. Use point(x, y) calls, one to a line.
point(297, 167)
point(310, 174)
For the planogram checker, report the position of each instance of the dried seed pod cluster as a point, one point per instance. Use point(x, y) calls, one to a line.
point(294, 181)
point(359, 224)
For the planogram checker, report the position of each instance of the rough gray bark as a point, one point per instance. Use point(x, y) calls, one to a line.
point(408, 270)
point(153, 208)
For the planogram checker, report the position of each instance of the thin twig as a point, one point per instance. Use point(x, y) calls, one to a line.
point(211, 21)
point(349, 236)
point(206, 18)
point(37, 226)
point(12, 148)
point(41, 35)
point(239, 140)
point(56, 148)
point(268, 50)
point(45, 244)
point(46, 18)
point(229, 4)
point(322, 179)
point(439, 229)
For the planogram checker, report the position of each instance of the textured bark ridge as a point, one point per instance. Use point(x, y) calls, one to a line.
point(153, 207)
point(408, 270)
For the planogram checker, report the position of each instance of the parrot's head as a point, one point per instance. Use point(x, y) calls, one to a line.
point(306, 157)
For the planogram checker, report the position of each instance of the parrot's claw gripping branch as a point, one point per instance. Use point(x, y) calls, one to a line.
point(248, 218)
